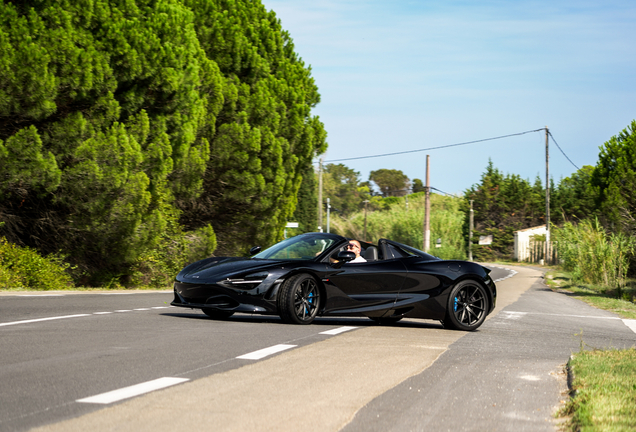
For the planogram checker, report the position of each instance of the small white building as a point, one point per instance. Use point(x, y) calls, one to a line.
point(523, 239)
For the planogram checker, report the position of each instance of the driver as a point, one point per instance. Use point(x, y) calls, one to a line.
point(354, 246)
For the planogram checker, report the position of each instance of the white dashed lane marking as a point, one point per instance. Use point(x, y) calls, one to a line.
point(132, 391)
point(42, 319)
point(338, 330)
point(257, 355)
point(77, 316)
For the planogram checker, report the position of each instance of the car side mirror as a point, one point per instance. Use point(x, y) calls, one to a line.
point(346, 256)
point(255, 250)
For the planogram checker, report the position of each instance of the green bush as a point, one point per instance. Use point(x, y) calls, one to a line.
point(158, 267)
point(24, 268)
point(594, 256)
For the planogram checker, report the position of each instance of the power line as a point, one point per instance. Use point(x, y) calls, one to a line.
point(445, 193)
point(559, 147)
point(435, 148)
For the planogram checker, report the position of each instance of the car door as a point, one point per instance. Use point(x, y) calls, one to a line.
point(363, 287)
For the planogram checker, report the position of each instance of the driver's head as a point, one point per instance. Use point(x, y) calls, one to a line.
point(354, 246)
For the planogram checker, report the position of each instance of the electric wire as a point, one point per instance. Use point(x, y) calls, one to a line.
point(559, 147)
point(434, 148)
point(445, 193)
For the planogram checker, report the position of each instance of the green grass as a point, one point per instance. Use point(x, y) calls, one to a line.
point(619, 301)
point(604, 383)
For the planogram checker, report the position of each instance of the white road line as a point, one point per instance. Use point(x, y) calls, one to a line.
point(631, 324)
point(132, 391)
point(511, 274)
point(338, 330)
point(257, 355)
point(564, 315)
point(77, 316)
point(42, 319)
point(514, 315)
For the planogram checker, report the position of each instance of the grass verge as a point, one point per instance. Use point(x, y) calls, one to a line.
point(604, 386)
point(603, 382)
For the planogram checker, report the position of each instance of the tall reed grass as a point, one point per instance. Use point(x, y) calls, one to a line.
point(593, 255)
point(405, 225)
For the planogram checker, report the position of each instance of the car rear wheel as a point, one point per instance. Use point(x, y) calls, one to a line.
point(467, 306)
point(299, 299)
point(217, 314)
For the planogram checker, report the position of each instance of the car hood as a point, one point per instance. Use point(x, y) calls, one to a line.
point(218, 268)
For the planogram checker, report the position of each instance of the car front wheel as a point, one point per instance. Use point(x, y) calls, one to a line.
point(467, 306)
point(299, 299)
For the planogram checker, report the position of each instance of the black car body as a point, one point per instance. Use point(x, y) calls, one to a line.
point(311, 275)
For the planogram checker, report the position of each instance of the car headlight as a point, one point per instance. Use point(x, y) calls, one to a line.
point(254, 277)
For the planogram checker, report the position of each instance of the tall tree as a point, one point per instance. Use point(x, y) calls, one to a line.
point(306, 213)
point(265, 136)
point(118, 119)
point(614, 179)
point(391, 182)
point(112, 100)
point(418, 186)
point(503, 204)
point(574, 197)
point(342, 186)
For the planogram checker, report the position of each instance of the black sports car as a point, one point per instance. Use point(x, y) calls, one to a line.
point(312, 275)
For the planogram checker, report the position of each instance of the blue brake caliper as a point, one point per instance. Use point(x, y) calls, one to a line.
point(310, 300)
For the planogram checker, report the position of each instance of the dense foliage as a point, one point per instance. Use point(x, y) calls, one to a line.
point(503, 204)
point(24, 268)
point(344, 189)
point(614, 180)
point(391, 182)
point(125, 123)
point(593, 255)
point(404, 223)
point(506, 203)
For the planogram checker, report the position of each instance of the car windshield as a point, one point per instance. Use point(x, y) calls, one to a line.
point(302, 247)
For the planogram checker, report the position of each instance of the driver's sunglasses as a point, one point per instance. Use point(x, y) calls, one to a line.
point(352, 246)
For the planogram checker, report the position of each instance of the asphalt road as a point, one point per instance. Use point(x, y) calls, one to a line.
point(508, 376)
point(411, 376)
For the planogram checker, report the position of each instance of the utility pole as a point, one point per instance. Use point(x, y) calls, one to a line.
point(547, 199)
point(328, 207)
point(366, 202)
point(320, 195)
point(470, 232)
point(427, 209)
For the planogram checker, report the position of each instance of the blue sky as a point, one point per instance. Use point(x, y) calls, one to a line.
point(406, 75)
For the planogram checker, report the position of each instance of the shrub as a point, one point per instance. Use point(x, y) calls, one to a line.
point(594, 256)
point(159, 266)
point(22, 267)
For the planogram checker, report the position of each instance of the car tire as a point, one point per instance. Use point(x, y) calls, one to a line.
point(467, 306)
point(217, 314)
point(299, 299)
point(386, 320)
